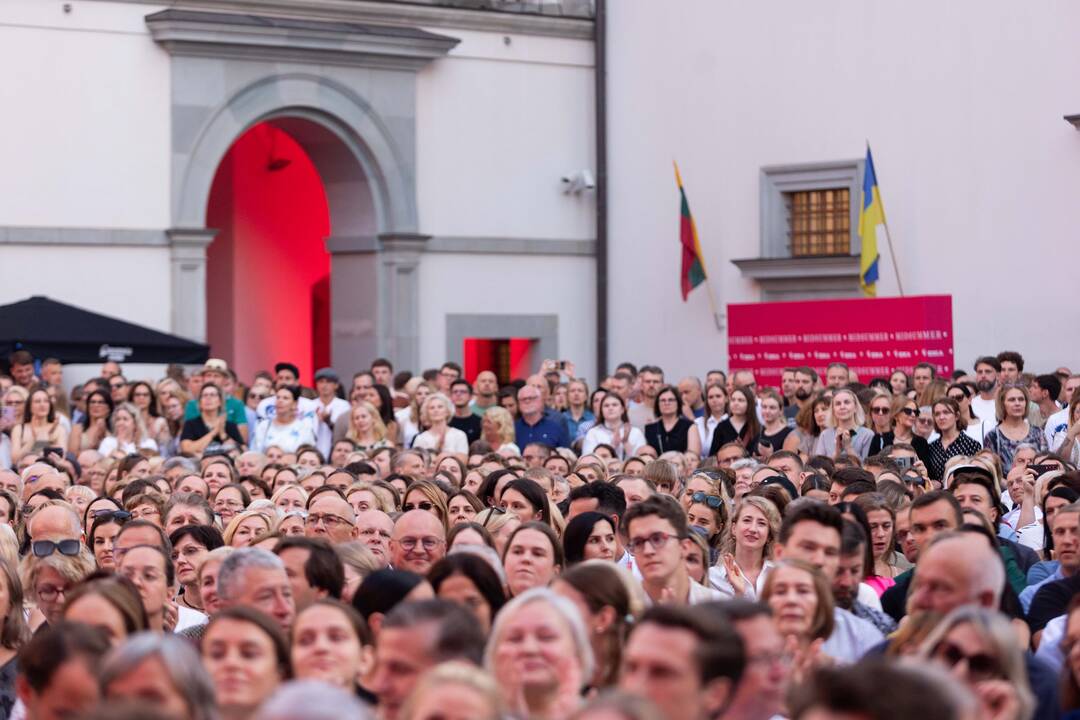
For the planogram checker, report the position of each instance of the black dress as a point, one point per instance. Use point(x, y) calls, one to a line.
point(8, 672)
point(675, 439)
point(725, 432)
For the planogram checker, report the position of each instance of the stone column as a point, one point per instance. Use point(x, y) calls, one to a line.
point(354, 303)
point(187, 263)
point(399, 294)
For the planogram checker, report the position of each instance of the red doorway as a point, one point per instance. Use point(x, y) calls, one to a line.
point(508, 358)
point(268, 272)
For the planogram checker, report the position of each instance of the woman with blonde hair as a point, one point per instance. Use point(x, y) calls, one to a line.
point(439, 437)
point(845, 432)
point(426, 495)
point(129, 433)
point(747, 549)
point(497, 428)
point(447, 685)
point(977, 647)
point(366, 428)
point(244, 526)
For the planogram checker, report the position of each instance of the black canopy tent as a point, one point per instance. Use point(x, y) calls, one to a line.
point(48, 328)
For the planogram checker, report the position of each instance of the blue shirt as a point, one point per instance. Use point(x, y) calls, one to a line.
point(1029, 592)
point(573, 425)
point(548, 431)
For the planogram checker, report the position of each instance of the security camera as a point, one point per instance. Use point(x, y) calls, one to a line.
point(579, 182)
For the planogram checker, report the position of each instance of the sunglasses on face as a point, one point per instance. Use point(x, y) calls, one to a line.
point(712, 501)
point(880, 410)
point(910, 412)
point(422, 505)
point(980, 665)
point(45, 548)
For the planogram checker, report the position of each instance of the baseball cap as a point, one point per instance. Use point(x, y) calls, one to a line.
point(327, 373)
point(216, 365)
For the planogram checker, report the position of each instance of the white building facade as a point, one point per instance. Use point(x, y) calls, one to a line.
point(441, 135)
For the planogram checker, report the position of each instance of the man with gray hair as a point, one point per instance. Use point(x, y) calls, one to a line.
point(133, 672)
point(55, 520)
point(312, 700)
point(256, 578)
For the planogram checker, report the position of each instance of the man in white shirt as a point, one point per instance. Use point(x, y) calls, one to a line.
point(328, 408)
point(658, 539)
point(984, 404)
point(1058, 424)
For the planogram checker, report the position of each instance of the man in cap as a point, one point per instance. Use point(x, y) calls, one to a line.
point(329, 406)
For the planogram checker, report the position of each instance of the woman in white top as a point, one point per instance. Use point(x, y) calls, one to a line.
point(408, 418)
point(846, 433)
point(715, 413)
point(39, 427)
point(439, 437)
point(748, 547)
point(613, 428)
point(286, 429)
point(129, 432)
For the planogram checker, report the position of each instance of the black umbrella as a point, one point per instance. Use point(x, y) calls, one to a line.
point(70, 334)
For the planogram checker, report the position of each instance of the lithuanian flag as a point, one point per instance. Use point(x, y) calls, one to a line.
point(693, 265)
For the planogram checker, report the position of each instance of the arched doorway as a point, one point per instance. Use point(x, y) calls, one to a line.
point(268, 271)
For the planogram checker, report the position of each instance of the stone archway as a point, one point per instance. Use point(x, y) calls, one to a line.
point(348, 98)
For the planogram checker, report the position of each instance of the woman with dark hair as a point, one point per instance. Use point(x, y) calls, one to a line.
point(109, 602)
point(589, 536)
point(470, 581)
point(143, 397)
point(329, 643)
point(951, 441)
point(383, 402)
point(533, 557)
point(190, 546)
point(96, 424)
point(526, 499)
point(975, 427)
point(287, 429)
point(613, 428)
point(210, 431)
point(716, 399)
point(462, 507)
point(493, 486)
point(741, 425)
point(608, 609)
point(810, 422)
point(672, 429)
point(103, 532)
point(40, 427)
point(247, 655)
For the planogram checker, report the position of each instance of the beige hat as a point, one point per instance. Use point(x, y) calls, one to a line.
point(216, 365)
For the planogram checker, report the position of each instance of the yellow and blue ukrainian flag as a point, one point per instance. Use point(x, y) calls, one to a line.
point(871, 215)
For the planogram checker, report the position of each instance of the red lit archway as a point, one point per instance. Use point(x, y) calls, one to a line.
point(268, 272)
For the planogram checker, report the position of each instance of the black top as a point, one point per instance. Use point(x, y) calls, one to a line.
point(663, 440)
point(470, 425)
point(8, 671)
point(195, 429)
point(776, 441)
point(1051, 600)
point(938, 454)
point(725, 433)
point(879, 442)
point(894, 600)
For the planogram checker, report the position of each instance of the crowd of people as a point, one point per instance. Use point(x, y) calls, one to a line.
point(433, 548)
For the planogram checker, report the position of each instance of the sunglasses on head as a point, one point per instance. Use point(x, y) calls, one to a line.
point(45, 548)
point(712, 501)
point(118, 515)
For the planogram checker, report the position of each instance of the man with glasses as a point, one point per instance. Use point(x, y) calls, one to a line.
point(464, 418)
point(418, 542)
point(534, 425)
point(448, 373)
point(658, 539)
point(55, 521)
point(330, 517)
point(375, 529)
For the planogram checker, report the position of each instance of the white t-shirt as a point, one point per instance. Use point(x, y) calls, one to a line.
point(1056, 428)
point(324, 435)
point(601, 435)
point(110, 444)
point(267, 410)
point(985, 410)
point(287, 437)
point(455, 441)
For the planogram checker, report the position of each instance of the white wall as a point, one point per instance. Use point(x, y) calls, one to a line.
point(497, 127)
point(125, 282)
point(85, 129)
point(961, 101)
point(509, 285)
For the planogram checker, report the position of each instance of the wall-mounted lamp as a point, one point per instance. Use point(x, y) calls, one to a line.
point(1073, 120)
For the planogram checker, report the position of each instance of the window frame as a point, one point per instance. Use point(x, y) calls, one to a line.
point(779, 180)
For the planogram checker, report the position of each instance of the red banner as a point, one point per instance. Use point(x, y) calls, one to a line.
point(873, 336)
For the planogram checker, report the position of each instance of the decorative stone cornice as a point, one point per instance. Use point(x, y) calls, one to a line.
point(216, 34)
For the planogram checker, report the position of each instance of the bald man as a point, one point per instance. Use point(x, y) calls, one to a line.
point(485, 392)
point(418, 542)
point(330, 517)
point(375, 528)
point(957, 568)
point(56, 521)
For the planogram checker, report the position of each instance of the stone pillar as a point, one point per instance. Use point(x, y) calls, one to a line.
point(399, 294)
point(187, 263)
point(354, 303)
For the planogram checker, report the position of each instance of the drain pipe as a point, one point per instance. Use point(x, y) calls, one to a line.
point(600, 72)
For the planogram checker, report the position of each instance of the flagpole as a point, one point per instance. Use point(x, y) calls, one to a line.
point(712, 305)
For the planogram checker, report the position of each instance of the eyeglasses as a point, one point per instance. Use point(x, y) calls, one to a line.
point(657, 540)
point(14, 403)
point(257, 396)
point(910, 412)
point(713, 501)
point(117, 386)
point(49, 593)
point(327, 520)
point(45, 548)
point(880, 411)
point(422, 505)
point(980, 665)
point(428, 543)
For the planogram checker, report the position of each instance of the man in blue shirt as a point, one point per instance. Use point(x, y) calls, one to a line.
point(534, 426)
